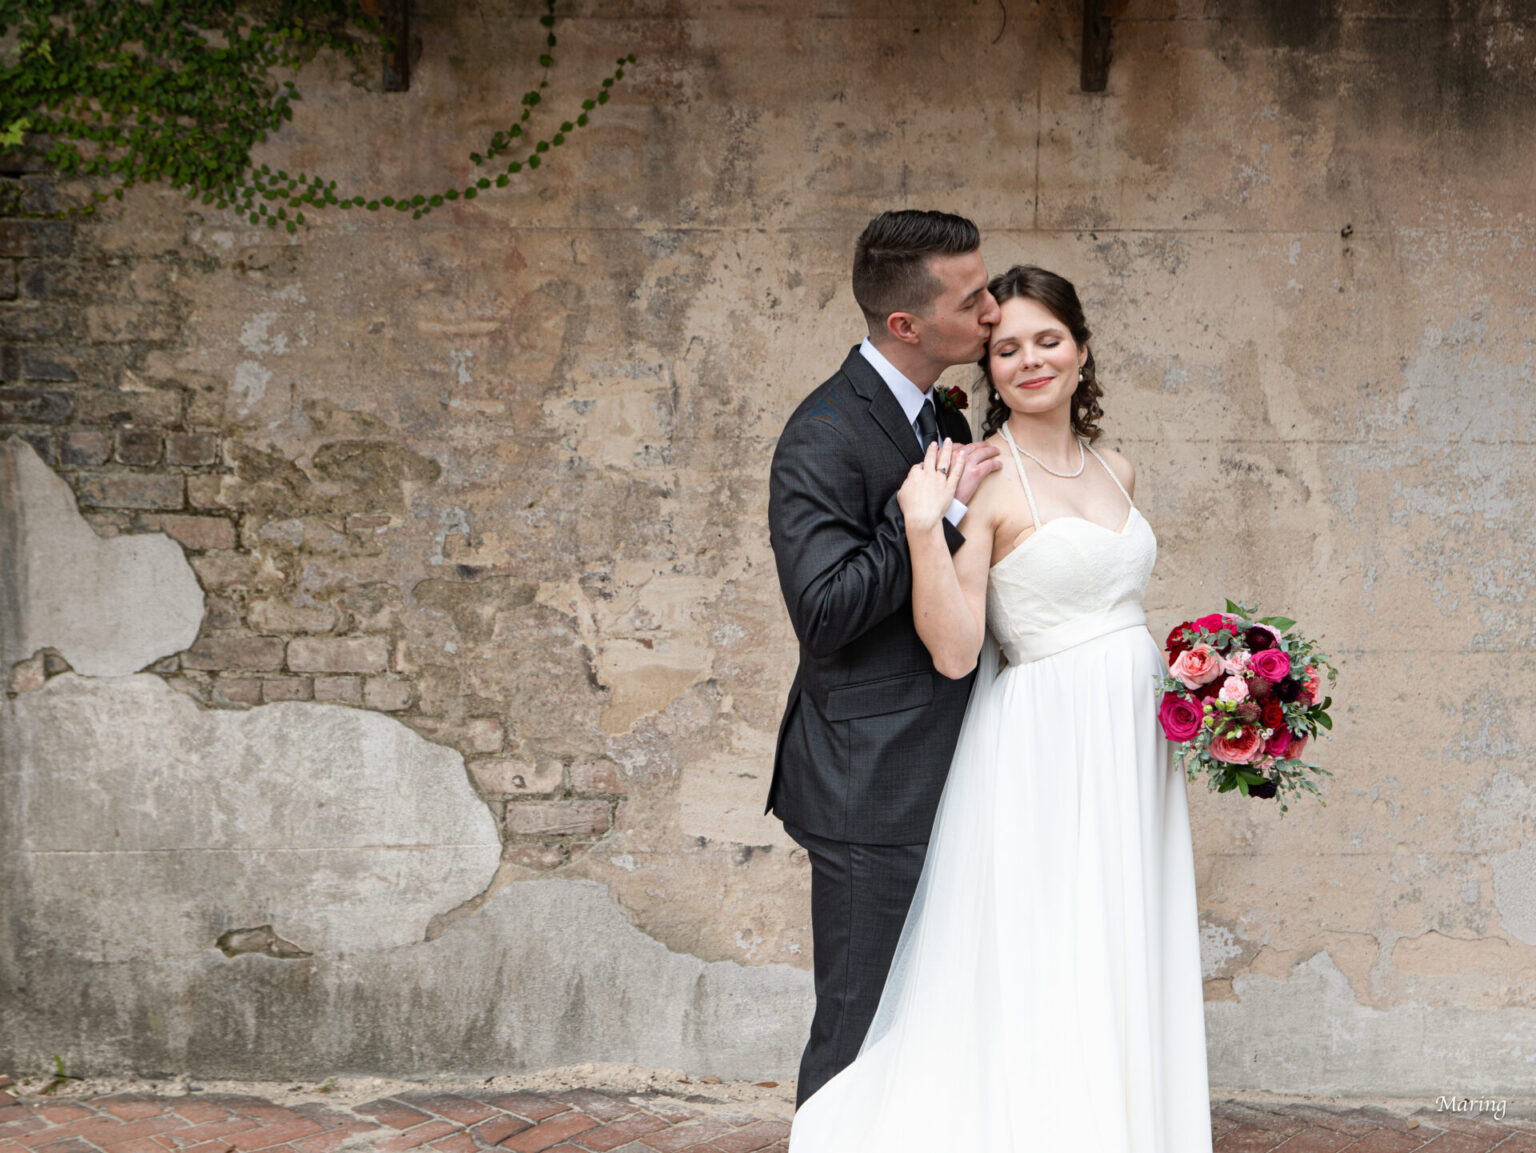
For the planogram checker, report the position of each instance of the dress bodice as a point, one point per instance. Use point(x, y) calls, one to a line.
point(1070, 581)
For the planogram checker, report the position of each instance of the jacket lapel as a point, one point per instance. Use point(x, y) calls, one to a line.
point(883, 407)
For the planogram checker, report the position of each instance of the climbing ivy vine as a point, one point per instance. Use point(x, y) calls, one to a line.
point(181, 91)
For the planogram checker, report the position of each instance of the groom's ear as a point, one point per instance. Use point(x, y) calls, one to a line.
point(904, 326)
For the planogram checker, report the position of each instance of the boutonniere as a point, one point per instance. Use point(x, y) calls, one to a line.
point(952, 398)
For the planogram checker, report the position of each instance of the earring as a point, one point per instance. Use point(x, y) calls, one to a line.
point(1079, 376)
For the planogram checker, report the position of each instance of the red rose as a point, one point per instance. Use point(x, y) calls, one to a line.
point(1176, 642)
point(1273, 715)
point(1280, 744)
point(1181, 716)
point(1213, 623)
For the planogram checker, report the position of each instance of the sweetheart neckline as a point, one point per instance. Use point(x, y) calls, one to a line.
point(1018, 548)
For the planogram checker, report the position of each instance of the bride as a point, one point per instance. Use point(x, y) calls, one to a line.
point(1046, 991)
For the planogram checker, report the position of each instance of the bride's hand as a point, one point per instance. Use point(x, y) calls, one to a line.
point(926, 493)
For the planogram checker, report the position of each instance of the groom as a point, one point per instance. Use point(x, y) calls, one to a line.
point(870, 726)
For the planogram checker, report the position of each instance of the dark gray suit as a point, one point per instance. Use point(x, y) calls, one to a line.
point(870, 725)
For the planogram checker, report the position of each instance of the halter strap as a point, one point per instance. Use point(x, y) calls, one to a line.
point(1113, 477)
point(1029, 493)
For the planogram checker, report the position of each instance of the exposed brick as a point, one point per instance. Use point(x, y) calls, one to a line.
point(278, 1134)
point(393, 1113)
point(192, 449)
point(62, 1112)
point(597, 777)
point(221, 613)
point(7, 280)
point(204, 491)
point(529, 856)
point(753, 1137)
point(279, 616)
point(27, 321)
point(1317, 1140)
point(35, 238)
point(343, 690)
point(420, 1135)
point(35, 406)
point(558, 818)
point(151, 408)
point(138, 446)
point(338, 654)
point(276, 689)
point(198, 532)
point(603, 1106)
point(246, 653)
point(484, 735)
point(42, 444)
point(235, 690)
point(129, 1107)
point(386, 695)
point(464, 1110)
point(460, 1142)
point(85, 446)
point(236, 570)
point(548, 1133)
point(503, 776)
point(50, 364)
point(529, 1105)
point(130, 490)
point(626, 1129)
point(56, 279)
point(498, 1129)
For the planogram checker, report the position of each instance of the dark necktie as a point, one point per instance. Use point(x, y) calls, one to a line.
point(927, 424)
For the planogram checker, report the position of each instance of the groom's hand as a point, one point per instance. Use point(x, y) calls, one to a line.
point(979, 462)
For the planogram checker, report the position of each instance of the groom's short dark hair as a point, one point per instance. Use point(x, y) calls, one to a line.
point(890, 260)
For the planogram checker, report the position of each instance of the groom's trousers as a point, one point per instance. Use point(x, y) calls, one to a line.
point(859, 900)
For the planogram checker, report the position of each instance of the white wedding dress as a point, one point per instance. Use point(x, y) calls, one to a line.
point(1046, 992)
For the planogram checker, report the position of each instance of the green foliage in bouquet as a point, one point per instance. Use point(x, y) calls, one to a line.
point(1251, 745)
point(181, 91)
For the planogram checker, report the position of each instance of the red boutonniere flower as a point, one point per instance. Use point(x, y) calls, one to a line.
point(951, 398)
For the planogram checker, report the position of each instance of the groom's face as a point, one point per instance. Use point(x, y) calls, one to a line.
point(960, 319)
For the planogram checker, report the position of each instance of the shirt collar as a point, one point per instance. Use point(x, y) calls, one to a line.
point(907, 394)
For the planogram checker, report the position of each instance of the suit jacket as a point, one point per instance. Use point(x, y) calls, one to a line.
point(870, 725)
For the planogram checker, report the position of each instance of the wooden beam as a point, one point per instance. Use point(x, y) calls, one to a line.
point(1096, 53)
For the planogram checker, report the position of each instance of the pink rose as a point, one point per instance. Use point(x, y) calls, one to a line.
point(1237, 664)
point(1279, 743)
point(1199, 666)
point(1312, 685)
point(1180, 716)
point(1271, 664)
point(1233, 689)
point(1239, 748)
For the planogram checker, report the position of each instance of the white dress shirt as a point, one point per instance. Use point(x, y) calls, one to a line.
point(911, 398)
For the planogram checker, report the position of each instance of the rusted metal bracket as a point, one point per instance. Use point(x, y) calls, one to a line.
point(397, 57)
point(1096, 53)
point(394, 17)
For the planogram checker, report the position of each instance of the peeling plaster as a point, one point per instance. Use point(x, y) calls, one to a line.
point(111, 606)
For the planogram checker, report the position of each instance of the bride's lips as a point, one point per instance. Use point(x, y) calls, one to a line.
point(1037, 382)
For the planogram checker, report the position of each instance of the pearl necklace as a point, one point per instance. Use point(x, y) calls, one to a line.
point(1082, 457)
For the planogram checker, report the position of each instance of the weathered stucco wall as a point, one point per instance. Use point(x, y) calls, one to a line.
point(499, 477)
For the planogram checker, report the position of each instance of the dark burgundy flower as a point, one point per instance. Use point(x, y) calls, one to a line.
point(1288, 689)
point(1258, 639)
point(1264, 790)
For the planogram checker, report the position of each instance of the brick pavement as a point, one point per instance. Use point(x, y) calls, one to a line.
point(594, 1121)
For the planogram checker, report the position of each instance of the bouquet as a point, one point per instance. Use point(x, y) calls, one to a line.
point(1242, 698)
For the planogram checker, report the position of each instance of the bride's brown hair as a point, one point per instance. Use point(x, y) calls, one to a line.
point(1057, 296)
